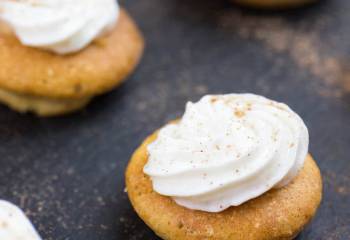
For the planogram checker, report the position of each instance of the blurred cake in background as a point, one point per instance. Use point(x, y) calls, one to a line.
point(57, 55)
point(273, 4)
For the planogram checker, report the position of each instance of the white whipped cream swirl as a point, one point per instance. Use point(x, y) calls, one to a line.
point(62, 26)
point(226, 150)
point(14, 224)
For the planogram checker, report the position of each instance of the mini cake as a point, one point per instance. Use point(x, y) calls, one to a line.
point(274, 4)
point(55, 56)
point(234, 167)
point(14, 224)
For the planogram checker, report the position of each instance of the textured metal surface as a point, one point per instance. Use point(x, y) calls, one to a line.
point(68, 173)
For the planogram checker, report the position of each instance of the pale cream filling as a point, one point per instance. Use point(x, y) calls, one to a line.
point(43, 106)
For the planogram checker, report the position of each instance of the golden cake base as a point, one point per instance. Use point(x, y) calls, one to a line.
point(279, 214)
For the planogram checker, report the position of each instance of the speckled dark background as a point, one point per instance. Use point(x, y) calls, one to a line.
point(68, 173)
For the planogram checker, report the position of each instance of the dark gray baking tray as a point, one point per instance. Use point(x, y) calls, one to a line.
point(67, 173)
